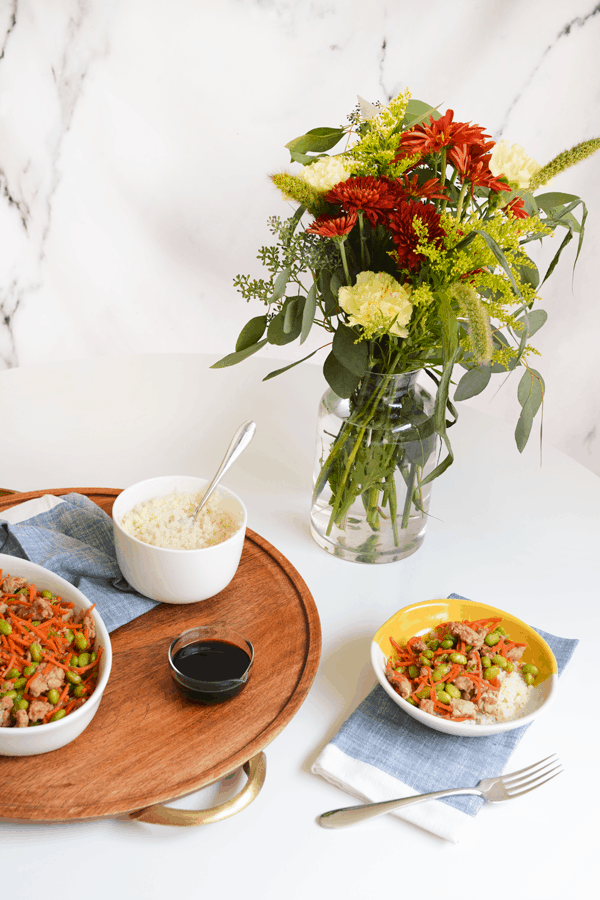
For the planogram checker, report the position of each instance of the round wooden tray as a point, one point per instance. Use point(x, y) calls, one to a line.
point(147, 744)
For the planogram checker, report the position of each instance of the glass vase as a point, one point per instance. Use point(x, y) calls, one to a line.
point(373, 453)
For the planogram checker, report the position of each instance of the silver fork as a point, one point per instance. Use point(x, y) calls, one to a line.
point(503, 787)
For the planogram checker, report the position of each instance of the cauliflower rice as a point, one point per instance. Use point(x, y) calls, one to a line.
point(162, 521)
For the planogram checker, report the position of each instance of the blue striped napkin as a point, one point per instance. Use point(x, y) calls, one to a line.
point(73, 537)
point(381, 753)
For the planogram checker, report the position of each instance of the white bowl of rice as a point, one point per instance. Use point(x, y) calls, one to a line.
point(158, 552)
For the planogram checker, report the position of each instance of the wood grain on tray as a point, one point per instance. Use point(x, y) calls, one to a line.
point(147, 744)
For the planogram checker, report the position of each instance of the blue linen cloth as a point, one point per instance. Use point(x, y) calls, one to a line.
point(75, 540)
point(382, 735)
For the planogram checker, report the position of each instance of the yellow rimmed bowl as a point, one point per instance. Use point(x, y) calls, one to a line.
point(420, 618)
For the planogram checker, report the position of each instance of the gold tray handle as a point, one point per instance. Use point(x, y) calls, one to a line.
point(256, 770)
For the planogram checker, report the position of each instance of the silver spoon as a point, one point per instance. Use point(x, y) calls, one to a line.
point(238, 444)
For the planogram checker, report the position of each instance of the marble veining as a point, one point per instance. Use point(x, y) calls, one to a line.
point(135, 146)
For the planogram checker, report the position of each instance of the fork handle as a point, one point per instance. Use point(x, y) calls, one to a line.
point(350, 815)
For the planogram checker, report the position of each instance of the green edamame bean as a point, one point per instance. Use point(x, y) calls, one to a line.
point(510, 667)
point(458, 658)
point(78, 690)
point(35, 624)
point(74, 661)
point(528, 678)
point(433, 645)
point(93, 657)
point(444, 697)
point(36, 652)
point(453, 691)
point(413, 671)
point(411, 701)
point(440, 672)
point(492, 638)
point(29, 670)
point(21, 704)
point(468, 648)
point(84, 659)
point(59, 714)
point(428, 654)
point(424, 693)
point(499, 660)
point(14, 673)
point(533, 670)
point(11, 694)
point(73, 677)
point(69, 635)
point(20, 683)
point(486, 662)
point(5, 627)
point(491, 672)
point(47, 595)
point(423, 660)
point(81, 642)
point(53, 696)
point(500, 630)
point(447, 643)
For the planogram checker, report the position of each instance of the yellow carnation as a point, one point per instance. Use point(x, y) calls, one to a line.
point(325, 173)
point(377, 302)
point(512, 162)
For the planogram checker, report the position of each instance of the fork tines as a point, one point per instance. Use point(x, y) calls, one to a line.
point(531, 777)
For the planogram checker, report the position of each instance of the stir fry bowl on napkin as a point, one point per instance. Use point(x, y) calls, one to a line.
point(420, 618)
point(383, 753)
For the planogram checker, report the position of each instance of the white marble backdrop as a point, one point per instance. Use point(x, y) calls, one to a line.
point(136, 137)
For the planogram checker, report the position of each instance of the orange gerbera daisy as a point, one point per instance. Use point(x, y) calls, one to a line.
point(409, 188)
point(404, 236)
point(372, 195)
point(472, 163)
point(517, 208)
point(429, 137)
point(332, 226)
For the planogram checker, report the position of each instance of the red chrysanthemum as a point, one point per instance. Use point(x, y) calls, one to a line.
point(401, 226)
point(333, 226)
point(517, 208)
point(430, 137)
point(374, 196)
point(409, 189)
point(472, 164)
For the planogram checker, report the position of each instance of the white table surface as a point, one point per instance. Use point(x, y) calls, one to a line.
point(504, 531)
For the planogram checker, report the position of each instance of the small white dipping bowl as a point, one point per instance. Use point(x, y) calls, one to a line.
point(54, 735)
point(176, 576)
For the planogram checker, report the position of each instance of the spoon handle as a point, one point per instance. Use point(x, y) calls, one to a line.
point(238, 444)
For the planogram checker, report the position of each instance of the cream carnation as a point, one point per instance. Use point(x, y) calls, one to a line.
point(512, 162)
point(377, 302)
point(325, 173)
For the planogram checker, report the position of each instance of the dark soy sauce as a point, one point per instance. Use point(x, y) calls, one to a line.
point(217, 665)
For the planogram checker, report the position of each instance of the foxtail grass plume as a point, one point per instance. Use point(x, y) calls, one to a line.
point(479, 321)
point(564, 161)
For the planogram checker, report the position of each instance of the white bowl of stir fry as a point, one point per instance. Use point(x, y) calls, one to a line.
point(464, 668)
point(55, 659)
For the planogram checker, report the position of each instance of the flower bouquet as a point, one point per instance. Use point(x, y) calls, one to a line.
point(408, 248)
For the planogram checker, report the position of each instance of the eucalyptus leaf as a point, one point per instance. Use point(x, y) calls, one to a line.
point(537, 318)
point(308, 314)
point(353, 355)
point(290, 315)
point(530, 394)
point(339, 378)
point(251, 333)
point(472, 383)
point(337, 281)
point(280, 285)
point(529, 273)
point(232, 358)
point(276, 333)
